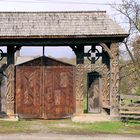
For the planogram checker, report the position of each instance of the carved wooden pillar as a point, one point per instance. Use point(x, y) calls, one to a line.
point(114, 84)
point(79, 88)
point(10, 92)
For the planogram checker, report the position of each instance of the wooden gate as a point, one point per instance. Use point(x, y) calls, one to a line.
point(44, 92)
point(94, 105)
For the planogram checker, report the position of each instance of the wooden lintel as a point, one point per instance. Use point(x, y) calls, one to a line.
point(57, 41)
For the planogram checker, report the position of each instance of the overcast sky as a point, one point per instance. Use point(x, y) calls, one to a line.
point(58, 5)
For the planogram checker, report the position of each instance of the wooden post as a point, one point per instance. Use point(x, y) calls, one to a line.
point(79, 79)
point(10, 92)
point(114, 83)
point(105, 58)
point(80, 54)
point(79, 88)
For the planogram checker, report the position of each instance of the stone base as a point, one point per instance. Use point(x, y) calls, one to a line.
point(6, 117)
point(91, 118)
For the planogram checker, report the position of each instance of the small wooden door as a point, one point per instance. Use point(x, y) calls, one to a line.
point(94, 105)
point(44, 92)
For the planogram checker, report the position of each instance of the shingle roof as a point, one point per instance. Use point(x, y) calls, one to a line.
point(90, 23)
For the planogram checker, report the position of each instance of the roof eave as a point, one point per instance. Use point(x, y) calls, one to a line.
point(65, 36)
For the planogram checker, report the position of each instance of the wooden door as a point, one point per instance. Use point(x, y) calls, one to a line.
point(58, 93)
point(28, 92)
point(94, 105)
point(44, 92)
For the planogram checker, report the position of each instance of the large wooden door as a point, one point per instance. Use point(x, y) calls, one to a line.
point(44, 92)
point(28, 92)
point(58, 93)
point(94, 105)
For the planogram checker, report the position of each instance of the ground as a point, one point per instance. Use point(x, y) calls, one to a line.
point(68, 130)
point(55, 136)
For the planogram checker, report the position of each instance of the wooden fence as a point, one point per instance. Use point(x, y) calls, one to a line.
point(129, 106)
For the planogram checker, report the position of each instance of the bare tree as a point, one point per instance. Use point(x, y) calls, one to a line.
point(136, 52)
point(130, 9)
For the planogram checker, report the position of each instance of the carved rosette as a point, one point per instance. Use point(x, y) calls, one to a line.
point(10, 89)
point(81, 74)
point(114, 89)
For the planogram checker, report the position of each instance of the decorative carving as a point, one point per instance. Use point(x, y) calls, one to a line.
point(101, 69)
point(28, 92)
point(63, 79)
point(79, 85)
point(93, 55)
point(10, 89)
point(114, 66)
point(106, 90)
point(57, 97)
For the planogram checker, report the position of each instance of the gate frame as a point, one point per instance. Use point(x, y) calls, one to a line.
point(81, 72)
point(100, 92)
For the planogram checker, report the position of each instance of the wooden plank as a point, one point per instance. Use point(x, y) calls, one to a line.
point(130, 112)
point(130, 108)
point(129, 116)
point(130, 97)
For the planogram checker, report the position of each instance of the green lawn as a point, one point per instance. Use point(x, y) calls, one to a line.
point(15, 126)
point(67, 126)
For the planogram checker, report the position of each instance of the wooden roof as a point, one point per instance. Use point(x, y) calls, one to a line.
point(51, 24)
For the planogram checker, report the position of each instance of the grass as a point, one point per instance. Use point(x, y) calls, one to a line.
point(67, 126)
point(15, 127)
point(85, 104)
point(97, 127)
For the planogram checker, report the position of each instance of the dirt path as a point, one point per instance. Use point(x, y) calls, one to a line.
point(54, 136)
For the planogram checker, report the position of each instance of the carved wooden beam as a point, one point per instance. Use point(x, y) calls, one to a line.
point(106, 48)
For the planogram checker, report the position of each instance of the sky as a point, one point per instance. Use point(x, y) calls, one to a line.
point(58, 5)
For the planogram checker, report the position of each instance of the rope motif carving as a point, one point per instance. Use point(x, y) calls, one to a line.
point(10, 89)
point(106, 90)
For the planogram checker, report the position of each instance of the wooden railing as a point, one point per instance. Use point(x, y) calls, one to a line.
point(129, 107)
